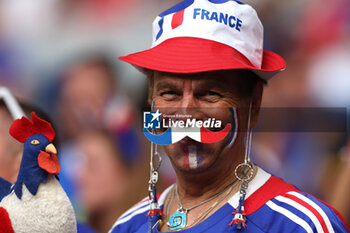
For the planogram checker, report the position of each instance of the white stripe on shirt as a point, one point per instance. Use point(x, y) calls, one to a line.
point(316, 207)
point(290, 215)
point(302, 209)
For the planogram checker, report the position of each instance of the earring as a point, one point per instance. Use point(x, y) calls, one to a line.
point(154, 212)
point(243, 172)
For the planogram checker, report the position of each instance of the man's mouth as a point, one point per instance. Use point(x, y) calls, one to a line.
point(187, 141)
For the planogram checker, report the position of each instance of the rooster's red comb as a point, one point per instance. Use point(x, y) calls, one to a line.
point(23, 128)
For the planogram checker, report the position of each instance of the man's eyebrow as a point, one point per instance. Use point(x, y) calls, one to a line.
point(212, 85)
point(165, 85)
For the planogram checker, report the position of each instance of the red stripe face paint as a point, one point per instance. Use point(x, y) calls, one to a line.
point(186, 159)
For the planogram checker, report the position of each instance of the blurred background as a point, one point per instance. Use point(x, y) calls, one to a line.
point(62, 57)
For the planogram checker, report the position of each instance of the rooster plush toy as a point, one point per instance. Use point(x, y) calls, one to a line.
point(36, 202)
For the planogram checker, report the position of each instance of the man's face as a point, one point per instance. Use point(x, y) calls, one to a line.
point(203, 96)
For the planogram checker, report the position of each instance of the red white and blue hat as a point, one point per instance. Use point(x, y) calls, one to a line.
point(206, 35)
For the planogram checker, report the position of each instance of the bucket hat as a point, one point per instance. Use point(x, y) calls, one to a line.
point(207, 35)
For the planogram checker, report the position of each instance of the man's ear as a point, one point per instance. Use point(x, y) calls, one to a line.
point(256, 103)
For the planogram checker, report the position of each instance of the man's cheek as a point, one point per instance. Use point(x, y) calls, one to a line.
point(172, 150)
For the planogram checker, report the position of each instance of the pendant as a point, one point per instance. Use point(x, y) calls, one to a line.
point(178, 220)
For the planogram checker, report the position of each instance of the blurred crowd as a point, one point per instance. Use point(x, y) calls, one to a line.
point(62, 57)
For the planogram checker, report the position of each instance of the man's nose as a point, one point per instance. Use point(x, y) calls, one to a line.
point(188, 101)
point(190, 106)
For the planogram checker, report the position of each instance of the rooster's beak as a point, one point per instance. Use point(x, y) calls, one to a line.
point(51, 149)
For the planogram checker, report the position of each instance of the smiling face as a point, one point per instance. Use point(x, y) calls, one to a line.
point(205, 95)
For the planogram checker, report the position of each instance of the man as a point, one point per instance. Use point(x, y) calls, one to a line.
point(207, 62)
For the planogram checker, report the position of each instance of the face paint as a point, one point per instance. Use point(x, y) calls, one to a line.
point(173, 135)
point(193, 159)
point(152, 106)
point(176, 133)
point(234, 129)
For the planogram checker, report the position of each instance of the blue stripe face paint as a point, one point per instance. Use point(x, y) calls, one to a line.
point(152, 107)
point(234, 129)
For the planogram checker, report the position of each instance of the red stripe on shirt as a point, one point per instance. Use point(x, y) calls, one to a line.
point(335, 211)
point(272, 188)
point(312, 209)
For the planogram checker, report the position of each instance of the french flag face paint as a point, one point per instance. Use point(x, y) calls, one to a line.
point(193, 159)
point(201, 134)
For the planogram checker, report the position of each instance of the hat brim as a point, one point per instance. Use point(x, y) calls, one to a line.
point(195, 55)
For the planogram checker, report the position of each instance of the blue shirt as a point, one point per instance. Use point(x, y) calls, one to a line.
point(271, 206)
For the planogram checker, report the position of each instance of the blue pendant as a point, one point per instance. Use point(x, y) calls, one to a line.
point(177, 220)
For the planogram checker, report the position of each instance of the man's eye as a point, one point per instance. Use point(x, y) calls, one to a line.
point(211, 96)
point(168, 94)
point(213, 93)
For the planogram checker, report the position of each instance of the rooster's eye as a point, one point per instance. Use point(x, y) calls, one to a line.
point(35, 142)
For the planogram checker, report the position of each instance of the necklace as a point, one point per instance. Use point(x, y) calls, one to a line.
point(205, 213)
point(179, 219)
